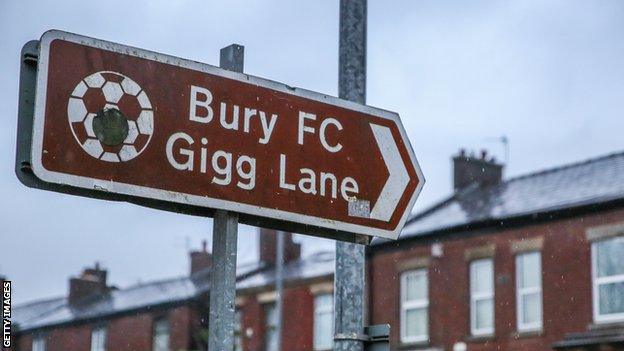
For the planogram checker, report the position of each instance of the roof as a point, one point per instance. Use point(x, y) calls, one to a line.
point(594, 181)
point(318, 265)
point(23, 313)
point(51, 312)
point(58, 311)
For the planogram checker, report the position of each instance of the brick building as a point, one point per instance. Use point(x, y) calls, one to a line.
point(529, 263)
point(172, 314)
point(94, 316)
point(307, 301)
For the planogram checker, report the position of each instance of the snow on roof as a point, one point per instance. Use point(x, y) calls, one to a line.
point(47, 313)
point(589, 182)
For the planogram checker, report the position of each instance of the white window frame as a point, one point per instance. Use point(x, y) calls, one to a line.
point(165, 320)
point(238, 330)
point(522, 291)
point(39, 343)
point(597, 281)
point(322, 310)
point(479, 296)
point(99, 331)
point(412, 305)
point(269, 326)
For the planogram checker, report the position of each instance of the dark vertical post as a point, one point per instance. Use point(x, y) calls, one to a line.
point(349, 281)
point(224, 237)
point(352, 51)
point(279, 287)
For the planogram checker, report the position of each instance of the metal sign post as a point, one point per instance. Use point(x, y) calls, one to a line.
point(224, 237)
point(349, 278)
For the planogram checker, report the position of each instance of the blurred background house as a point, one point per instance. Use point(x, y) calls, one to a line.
point(172, 314)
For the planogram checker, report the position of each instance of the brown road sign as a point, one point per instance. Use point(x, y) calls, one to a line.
point(122, 120)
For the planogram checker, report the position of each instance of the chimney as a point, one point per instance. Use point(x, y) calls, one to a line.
point(91, 282)
point(470, 169)
point(268, 247)
point(200, 260)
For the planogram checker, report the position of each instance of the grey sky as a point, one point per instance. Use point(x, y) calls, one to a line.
point(548, 74)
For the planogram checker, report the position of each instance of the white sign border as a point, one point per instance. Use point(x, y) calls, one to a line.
point(188, 199)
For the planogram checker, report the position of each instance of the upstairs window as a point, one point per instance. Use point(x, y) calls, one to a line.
point(608, 276)
point(414, 306)
point(160, 338)
point(270, 327)
point(529, 291)
point(323, 321)
point(482, 297)
point(39, 343)
point(98, 339)
point(238, 331)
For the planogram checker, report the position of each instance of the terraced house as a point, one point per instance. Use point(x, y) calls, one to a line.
point(172, 314)
point(533, 262)
point(529, 263)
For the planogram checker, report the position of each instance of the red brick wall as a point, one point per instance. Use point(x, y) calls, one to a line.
point(183, 322)
point(22, 343)
point(130, 333)
point(298, 315)
point(566, 284)
point(298, 319)
point(126, 333)
point(70, 338)
point(252, 320)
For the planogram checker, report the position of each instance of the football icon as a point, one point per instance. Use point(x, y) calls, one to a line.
point(110, 116)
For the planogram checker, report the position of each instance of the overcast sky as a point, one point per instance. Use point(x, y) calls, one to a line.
point(547, 74)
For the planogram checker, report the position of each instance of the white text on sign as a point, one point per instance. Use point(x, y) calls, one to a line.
point(225, 168)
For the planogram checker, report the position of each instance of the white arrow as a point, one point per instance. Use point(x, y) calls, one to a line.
point(398, 178)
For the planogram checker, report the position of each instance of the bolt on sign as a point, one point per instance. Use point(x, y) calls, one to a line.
point(113, 119)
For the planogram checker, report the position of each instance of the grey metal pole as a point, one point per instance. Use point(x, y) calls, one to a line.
point(279, 286)
point(223, 281)
point(224, 237)
point(349, 281)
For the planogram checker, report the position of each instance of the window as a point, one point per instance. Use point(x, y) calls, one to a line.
point(160, 338)
point(39, 343)
point(414, 306)
point(324, 321)
point(529, 291)
point(238, 331)
point(608, 276)
point(482, 297)
point(98, 339)
point(270, 327)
